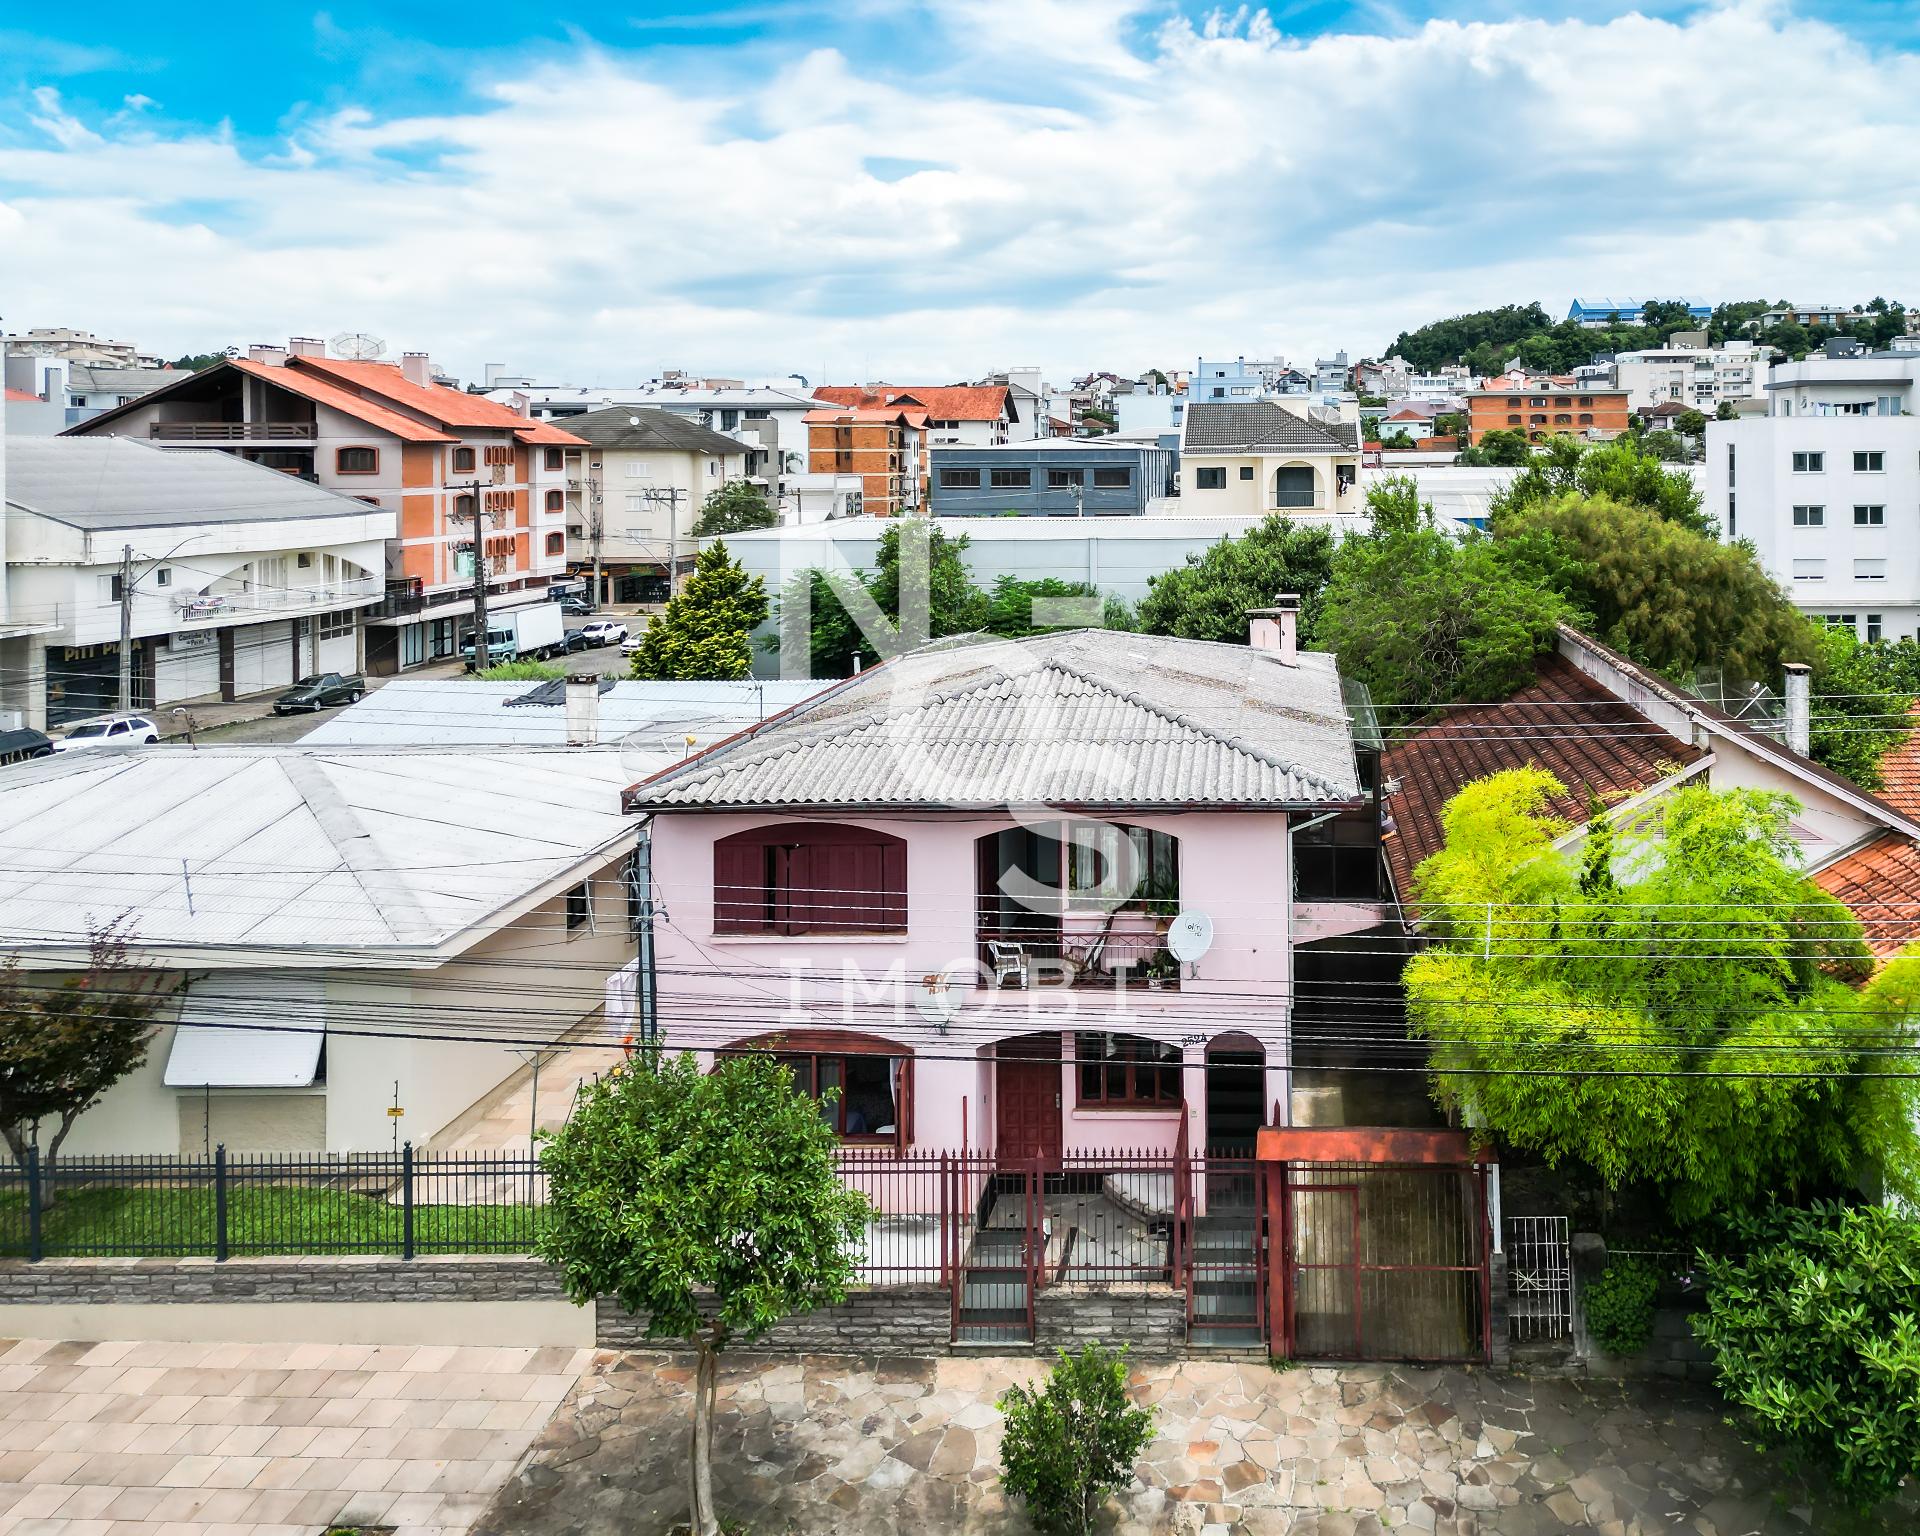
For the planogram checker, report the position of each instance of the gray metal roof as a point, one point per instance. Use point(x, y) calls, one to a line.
point(1250, 426)
point(105, 379)
point(1081, 718)
point(120, 482)
point(640, 427)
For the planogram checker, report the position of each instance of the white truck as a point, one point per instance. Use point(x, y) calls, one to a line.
point(535, 629)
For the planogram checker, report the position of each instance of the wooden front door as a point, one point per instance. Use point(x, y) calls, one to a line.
point(1027, 1078)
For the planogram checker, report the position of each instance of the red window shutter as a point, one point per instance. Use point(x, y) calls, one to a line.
point(903, 1108)
point(739, 886)
point(893, 887)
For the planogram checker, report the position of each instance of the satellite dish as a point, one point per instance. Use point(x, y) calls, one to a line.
point(357, 345)
point(1190, 937)
point(936, 999)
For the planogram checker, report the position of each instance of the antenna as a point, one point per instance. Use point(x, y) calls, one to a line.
point(1190, 936)
point(357, 345)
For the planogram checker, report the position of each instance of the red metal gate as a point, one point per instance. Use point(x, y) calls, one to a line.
point(1376, 1257)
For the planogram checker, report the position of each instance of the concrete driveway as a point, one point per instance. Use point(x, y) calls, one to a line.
point(152, 1439)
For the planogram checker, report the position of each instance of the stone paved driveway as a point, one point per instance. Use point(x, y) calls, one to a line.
point(859, 1446)
point(125, 1439)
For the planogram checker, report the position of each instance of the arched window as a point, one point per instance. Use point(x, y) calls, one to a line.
point(810, 877)
point(1293, 486)
point(873, 1076)
point(556, 501)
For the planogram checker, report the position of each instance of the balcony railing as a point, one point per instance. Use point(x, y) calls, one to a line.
point(197, 607)
point(1306, 499)
point(233, 431)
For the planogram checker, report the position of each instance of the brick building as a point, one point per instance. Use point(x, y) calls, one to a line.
point(1546, 407)
point(885, 445)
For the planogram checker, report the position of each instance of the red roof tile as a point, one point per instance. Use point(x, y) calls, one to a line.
point(323, 391)
point(1880, 884)
point(21, 394)
point(943, 402)
point(1563, 721)
point(1900, 773)
point(449, 407)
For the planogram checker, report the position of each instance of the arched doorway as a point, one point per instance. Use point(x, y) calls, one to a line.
point(1236, 1083)
point(1293, 486)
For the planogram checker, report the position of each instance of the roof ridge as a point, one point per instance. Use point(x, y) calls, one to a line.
point(393, 903)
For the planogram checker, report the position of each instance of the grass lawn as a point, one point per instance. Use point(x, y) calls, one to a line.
point(276, 1219)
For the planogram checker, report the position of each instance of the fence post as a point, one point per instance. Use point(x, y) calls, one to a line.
point(406, 1201)
point(35, 1252)
point(220, 1203)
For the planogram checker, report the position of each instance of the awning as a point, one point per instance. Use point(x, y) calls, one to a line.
point(226, 1037)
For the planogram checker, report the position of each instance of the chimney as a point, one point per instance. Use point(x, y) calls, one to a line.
point(418, 368)
point(1277, 629)
point(306, 346)
point(583, 710)
point(273, 357)
point(1799, 707)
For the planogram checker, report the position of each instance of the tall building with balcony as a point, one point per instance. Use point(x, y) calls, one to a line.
point(445, 462)
point(1547, 407)
point(225, 578)
point(883, 446)
point(1251, 458)
point(958, 415)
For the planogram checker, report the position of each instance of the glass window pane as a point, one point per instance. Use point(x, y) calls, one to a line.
point(869, 1095)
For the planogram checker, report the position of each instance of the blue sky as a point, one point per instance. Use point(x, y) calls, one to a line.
point(864, 186)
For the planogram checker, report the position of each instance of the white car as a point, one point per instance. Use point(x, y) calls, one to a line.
point(114, 731)
point(604, 632)
point(632, 643)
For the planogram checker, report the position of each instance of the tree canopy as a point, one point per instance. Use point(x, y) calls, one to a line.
point(703, 631)
point(1622, 470)
point(1208, 597)
point(1566, 1014)
point(1018, 608)
point(739, 506)
point(709, 1202)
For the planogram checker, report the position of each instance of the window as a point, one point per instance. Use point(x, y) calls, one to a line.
point(1869, 570)
point(1809, 463)
point(1809, 570)
point(1513, 399)
point(336, 626)
point(556, 501)
point(1126, 1071)
point(1871, 463)
point(1809, 517)
point(1096, 873)
point(639, 469)
point(579, 907)
point(462, 460)
point(1733, 520)
point(1012, 479)
point(116, 587)
point(1874, 627)
point(803, 877)
point(1837, 620)
point(1120, 479)
point(1513, 421)
point(874, 1101)
point(1563, 400)
point(1065, 478)
point(1537, 400)
point(555, 459)
point(556, 543)
point(163, 577)
point(1246, 471)
point(1730, 463)
point(1537, 421)
point(356, 461)
point(961, 479)
point(1209, 479)
point(1869, 517)
point(1586, 399)
point(1338, 860)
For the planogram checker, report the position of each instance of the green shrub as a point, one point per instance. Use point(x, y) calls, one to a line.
point(1072, 1441)
point(1619, 1306)
point(1815, 1330)
point(526, 670)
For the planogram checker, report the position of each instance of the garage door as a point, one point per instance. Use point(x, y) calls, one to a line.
point(188, 667)
point(262, 657)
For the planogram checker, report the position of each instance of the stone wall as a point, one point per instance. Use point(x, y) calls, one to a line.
point(1153, 1323)
point(906, 1320)
point(371, 1278)
point(1672, 1350)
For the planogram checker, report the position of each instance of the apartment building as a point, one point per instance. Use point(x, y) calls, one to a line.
point(883, 446)
point(1247, 378)
point(635, 492)
point(1558, 406)
point(960, 415)
point(1826, 486)
point(1687, 372)
point(1255, 457)
point(66, 343)
point(1603, 314)
point(393, 437)
point(1052, 477)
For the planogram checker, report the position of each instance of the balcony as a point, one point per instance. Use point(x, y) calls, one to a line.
point(212, 607)
point(232, 431)
point(1296, 500)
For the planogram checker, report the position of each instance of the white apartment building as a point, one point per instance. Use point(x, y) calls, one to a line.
point(1699, 377)
point(1827, 488)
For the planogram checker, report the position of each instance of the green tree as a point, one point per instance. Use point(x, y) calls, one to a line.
point(1671, 598)
point(1691, 423)
point(1423, 618)
point(709, 1202)
point(739, 506)
point(66, 1039)
point(1664, 446)
point(1621, 469)
point(1451, 424)
point(1010, 610)
point(855, 618)
point(1813, 1324)
point(1726, 411)
point(703, 632)
point(193, 362)
point(1208, 597)
point(1504, 447)
point(1865, 694)
point(1689, 1029)
point(1073, 1441)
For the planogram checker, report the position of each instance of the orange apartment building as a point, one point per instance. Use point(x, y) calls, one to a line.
point(389, 435)
point(1546, 407)
point(885, 445)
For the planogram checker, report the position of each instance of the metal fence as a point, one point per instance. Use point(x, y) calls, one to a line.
point(1539, 1277)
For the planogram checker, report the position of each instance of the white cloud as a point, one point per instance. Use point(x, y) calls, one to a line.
point(1221, 187)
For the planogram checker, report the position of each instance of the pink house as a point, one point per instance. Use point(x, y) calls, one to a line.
point(1022, 899)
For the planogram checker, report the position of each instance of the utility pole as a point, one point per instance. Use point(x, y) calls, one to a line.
point(482, 652)
point(126, 628)
point(646, 982)
point(597, 526)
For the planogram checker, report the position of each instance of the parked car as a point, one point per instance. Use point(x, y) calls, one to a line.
point(575, 607)
point(112, 731)
point(604, 632)
point(633, 643)
point(320, 690)
point(574, 640)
